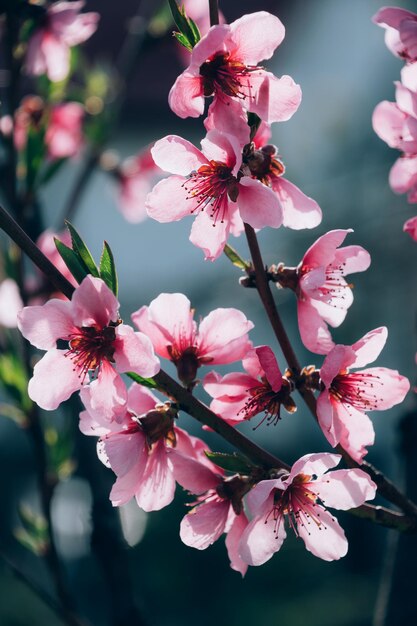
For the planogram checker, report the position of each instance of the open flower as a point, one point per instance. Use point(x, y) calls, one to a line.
point(224, 64)
point(238, 396)
point(98, 343)
point(222, 336)
point(208, 183)
point(401, 31)
point(323, 294)
point(298, 500)
point(146, 450)
point(135, 177)
point(218, 510)
point(10, 303)
point(62, 28)
point(347, 395)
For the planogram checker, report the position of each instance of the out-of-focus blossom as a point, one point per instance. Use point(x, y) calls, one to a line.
point(410, 227)
point(205, 182)
point(347, 395)
point(135, 177)
point(299, 500)
point(10, 303)
point(221, 337)
point(97, 339)
point(324, 296)
point(224, 64)
point(401, 31)
point(146, 450)
point(62, 28)
point(238, 396)
point(403, 177)
point(61, 124)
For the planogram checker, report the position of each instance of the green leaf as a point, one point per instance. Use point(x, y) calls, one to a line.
point(14, 380)
point(187, 28)
point(108, 268)
point(13, 413)
point(33, 533)
point(145, 382)
point(82, 251)
point(235, 462)
point(235, 258)
point(195, 30)
point(183, 41)
point(72, 261)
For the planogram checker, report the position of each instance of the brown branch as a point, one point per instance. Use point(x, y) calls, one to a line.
point(385, 487)
point(214, 12)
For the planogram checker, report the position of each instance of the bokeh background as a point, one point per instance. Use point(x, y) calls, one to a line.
point(339, 58)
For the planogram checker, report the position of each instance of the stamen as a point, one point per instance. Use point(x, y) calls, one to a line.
point(89, 347)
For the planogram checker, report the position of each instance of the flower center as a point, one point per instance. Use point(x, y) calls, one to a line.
point(356, 389)
point(212, 184)
point(262, 164)
point(264, 399)
point(297, 504)
point(223, 75)
point(89, 346)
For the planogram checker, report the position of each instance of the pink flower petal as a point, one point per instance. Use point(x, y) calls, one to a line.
point(229, 118)
point(186, 97)
point(388, 388)
point(256, 36)
point(327, 540)
point(299, 210)
point(313, 330)
point(10, 303)
point(409, 76)
point(274, 99)
point(44, 325)
point(262, 537)
point(169, 201)
point(388, 123)
point(410, 227)
point(260, 494)
point(108, 394)
point(134, 352)
point(351, 259)
point(355, 430)
point(403, 174)
point(222, 148)
point(177, 155)
point(140, 400)
point(345, 489)
point(231, 385)
point(314, 464)
point(192, 475)
point(93, 303)
point(270, 366)
point(327, 416)
point(54, 380)
point(258, 205)
point(222, 336)
point(157, 485)
point(322, 252)
point(210, 236)
point(369, 347)
point(233, 538)
point(204, 524)
point(339, 358)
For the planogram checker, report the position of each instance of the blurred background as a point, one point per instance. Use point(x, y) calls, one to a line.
point(338, 56)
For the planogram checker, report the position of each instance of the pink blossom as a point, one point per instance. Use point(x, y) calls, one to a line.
point(224, 64)
point(10, 303)
point(63, 27)
point(401, 31)
point(403, 177)
point(396, 128)
point(347, 395)
point(146, 450)
point(96, 339)
point(62, 124)
point(207, 183)
point(64, 134)
point(134, 178)
point(221, 337)
point(410, 227)
point(261, 161)
point(323, 294)
point(218, 510)
point(238, 396)
point(298, 500)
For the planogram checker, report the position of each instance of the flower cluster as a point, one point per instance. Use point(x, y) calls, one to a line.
point(396, 122)
point(235, 182)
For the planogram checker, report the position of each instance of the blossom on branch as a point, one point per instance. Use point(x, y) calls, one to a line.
point(401, 31)
point(224, 64)
point(208, 183)
point(97, 343)
point(347, 395)
point(299, 500)
point(220, 338)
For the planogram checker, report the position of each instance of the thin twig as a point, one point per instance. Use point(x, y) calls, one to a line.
point(214, 12)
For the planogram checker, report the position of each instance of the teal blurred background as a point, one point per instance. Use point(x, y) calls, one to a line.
point(339, 58)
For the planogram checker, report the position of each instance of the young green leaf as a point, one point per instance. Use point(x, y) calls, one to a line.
point(235, 463)
point(108, 268)
point(72, 261)
point(82, 252)
point(235, 258)
point(145, 382)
